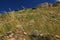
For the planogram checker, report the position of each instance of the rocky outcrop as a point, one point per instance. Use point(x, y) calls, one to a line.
point(47, 5)
point(56, 4)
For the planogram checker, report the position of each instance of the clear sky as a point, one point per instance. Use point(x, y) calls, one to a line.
point(17, 4)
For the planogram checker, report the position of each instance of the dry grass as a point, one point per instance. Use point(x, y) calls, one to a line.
point(46, 20)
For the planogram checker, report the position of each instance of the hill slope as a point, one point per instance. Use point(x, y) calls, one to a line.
point(46, 20)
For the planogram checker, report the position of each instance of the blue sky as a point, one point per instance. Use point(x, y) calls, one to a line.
point(17, 4)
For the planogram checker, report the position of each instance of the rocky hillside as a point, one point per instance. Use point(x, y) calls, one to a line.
point(20, 34)
point(40, 23)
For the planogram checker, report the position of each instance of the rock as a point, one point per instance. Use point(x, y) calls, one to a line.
point(35, 33)
point(44, 5)
point(11, 39)
point(57, 36)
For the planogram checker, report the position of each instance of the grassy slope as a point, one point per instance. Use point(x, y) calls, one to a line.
point(46, 20)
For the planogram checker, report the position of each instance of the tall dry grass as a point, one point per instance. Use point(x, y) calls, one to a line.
point(46, 20)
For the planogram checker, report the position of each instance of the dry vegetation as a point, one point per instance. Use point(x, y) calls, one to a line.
point(45, 20)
